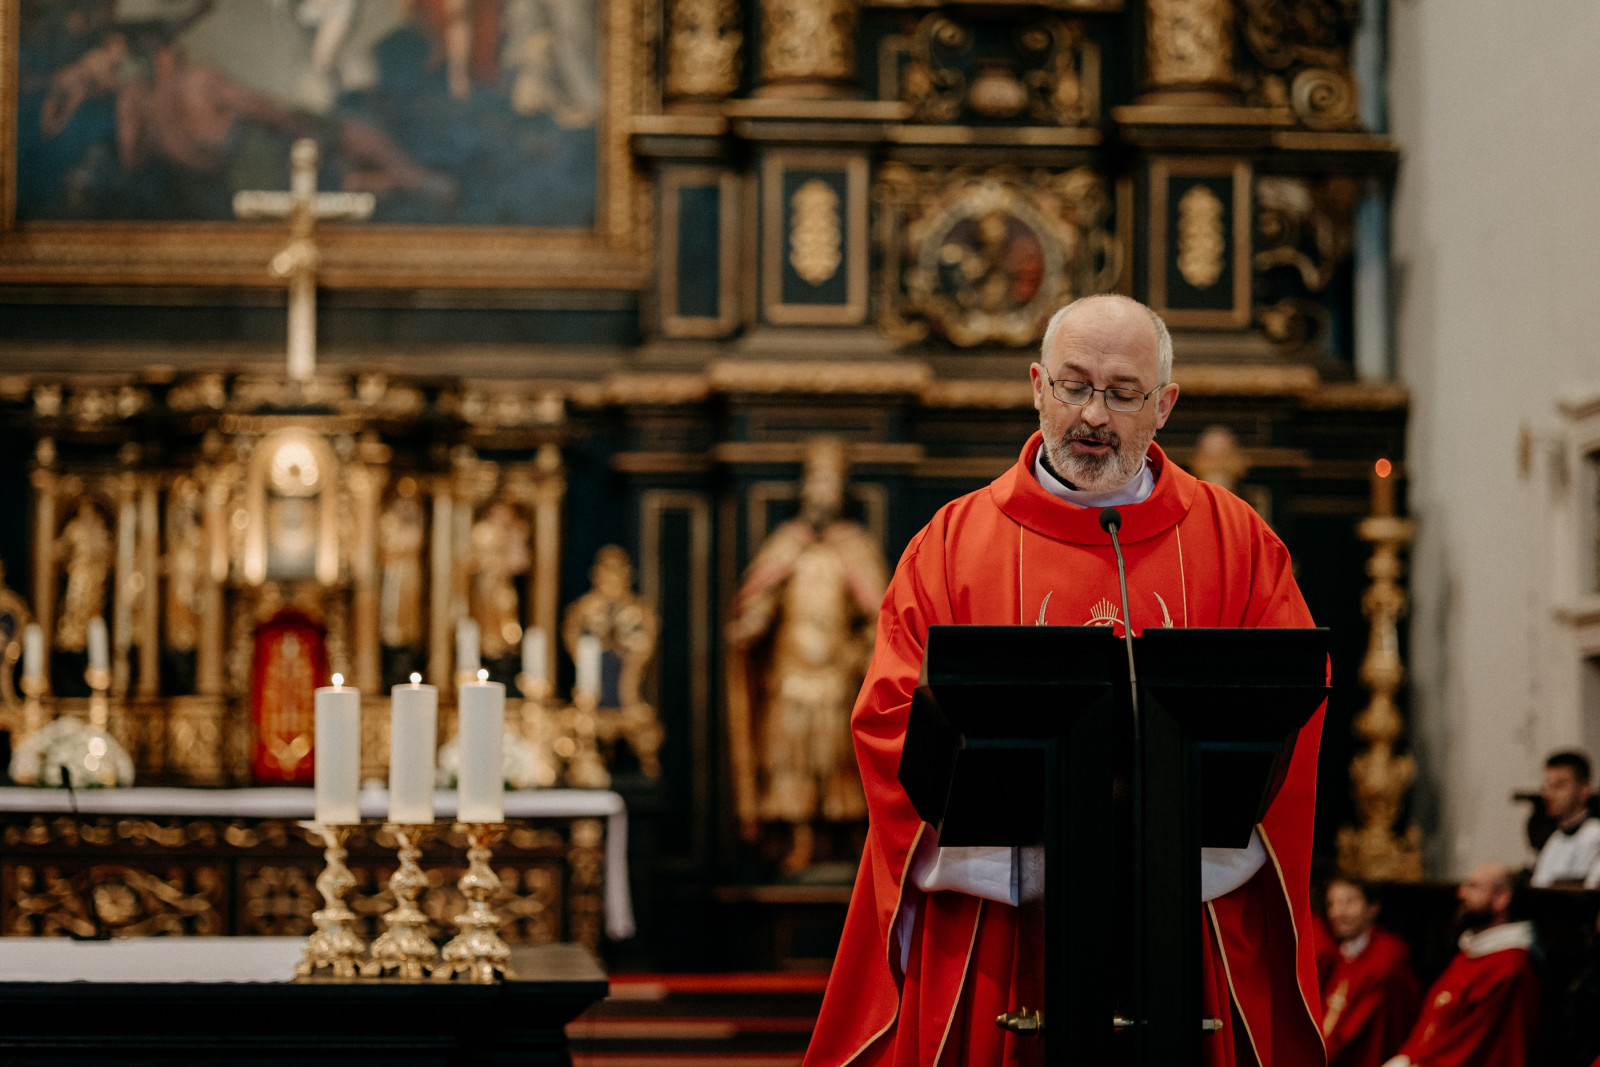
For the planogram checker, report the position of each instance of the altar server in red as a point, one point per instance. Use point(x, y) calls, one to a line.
point(1370, 995)
point(1484, 1009)
point(928, 958)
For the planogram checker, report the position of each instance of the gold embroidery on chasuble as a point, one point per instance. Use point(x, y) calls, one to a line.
point(1075, 596)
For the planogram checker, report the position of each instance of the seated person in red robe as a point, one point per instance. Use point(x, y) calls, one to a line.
point(933, 949)
point(1370, 995)
point(1484, 1009)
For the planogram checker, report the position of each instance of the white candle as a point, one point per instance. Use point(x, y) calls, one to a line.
point(99, 645)
point(467, 645)
point(33, 652)
point(483, 726)
point(588, 678)
point(413, 734)
point(338, 753)
point(533, 664)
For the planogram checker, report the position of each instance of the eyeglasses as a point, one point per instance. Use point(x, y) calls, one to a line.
point(1118, 398)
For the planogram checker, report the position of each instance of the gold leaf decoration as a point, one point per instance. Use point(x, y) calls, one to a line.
point(816, 241)
point(1200, 238)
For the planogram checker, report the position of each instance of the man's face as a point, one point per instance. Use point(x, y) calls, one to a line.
point(1564, 795)
point(1349, 912)
point(1484, 896)
point(1103, 343)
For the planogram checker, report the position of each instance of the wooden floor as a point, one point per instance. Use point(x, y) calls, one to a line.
point(731, 1020)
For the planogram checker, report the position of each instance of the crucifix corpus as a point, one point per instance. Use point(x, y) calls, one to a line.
point(303, 206)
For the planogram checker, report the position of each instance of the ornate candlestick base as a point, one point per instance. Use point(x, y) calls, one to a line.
point(334, 944)
point(477, 951)
point(404, 948)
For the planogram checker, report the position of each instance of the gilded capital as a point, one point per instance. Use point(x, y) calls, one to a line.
point(703, 42)
point(1189, 45)
point(808, 47)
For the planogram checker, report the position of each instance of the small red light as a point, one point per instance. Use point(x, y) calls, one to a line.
point(1383, 467)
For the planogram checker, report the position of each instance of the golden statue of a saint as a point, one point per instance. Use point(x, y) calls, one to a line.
point(401, 531)
point(500, 552)
point(84, 549)
point(799, 637)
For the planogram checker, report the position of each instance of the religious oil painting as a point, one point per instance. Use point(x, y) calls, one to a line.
point(467, 115)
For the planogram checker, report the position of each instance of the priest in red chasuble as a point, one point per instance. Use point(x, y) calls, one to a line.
point(1370, 994)
point(1484, 1009)
point(929, 956)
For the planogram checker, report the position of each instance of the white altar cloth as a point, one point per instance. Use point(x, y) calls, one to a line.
point(291, 803)
point(150, 959)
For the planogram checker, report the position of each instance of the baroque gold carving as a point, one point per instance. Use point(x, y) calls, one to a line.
point(1053, 76)
point(985, 256)
point(1189, 43)
point(1304, 58)
point(1304, 233)
point(1201, 241)
point(807, 44)
point(703, 44)
point(816, 240)
point(84, 549)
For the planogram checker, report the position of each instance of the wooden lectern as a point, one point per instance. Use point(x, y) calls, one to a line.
point(1028, 735)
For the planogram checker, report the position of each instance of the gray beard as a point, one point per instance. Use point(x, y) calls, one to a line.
point(1097, 474)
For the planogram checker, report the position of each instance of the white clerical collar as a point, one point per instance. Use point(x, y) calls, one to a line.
point(1137, 489)
point(1356, 945)
point(1497, 939)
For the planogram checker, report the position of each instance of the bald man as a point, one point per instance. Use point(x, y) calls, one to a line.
point(1484, 1009)
point(929, 955)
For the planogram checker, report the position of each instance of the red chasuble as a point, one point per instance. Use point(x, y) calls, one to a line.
point(1484, 1009)
point(1196, 556)
point(1369, 1002)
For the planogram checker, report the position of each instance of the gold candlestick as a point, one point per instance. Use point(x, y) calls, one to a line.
point(585, 768)
point(34, 715)
point(333, 944)
point(539, 730)
point(404, 948)
point(477, 951)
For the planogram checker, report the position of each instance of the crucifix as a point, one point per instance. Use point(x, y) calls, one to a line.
point(303, 206)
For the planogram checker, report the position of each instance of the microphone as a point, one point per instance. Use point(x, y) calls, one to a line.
point(100, 931)
point(1111, 522)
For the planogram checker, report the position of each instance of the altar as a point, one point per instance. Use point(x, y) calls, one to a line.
point(195, 862)
point(232, 1001)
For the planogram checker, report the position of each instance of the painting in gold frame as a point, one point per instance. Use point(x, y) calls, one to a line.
point(445, 237)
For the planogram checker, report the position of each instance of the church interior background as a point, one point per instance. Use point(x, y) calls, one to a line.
point(604, 281)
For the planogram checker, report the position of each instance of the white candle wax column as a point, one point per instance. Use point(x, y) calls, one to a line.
point(99, 645)
point(467, 645)
point(33, 652)
point(588, 679)
point(533, 662)
point(338, 753)
point(413, 735)
point(483, 727)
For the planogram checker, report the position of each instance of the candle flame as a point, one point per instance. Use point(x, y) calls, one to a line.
point(1383, 467)
point(416, 679)
point(483, 675)
point(338, 679)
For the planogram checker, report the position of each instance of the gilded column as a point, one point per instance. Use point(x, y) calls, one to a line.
point(46, 486)
point(209, 643)
point(703, 42)
point(808, 48)
point(147, 630)
point(441, 586)
point(366, 487)
point(549, 490)
point(1189, 52)
point(123, 591)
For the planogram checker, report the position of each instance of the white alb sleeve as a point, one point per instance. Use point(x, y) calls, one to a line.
point(1222, 870)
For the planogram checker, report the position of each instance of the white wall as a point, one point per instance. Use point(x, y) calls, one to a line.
point(1496, 234)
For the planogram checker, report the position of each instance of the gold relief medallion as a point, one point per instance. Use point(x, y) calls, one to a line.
point(816, 240)
point(988, 256)
point(1189, 42)
point(1201, 241)
point(703, 48)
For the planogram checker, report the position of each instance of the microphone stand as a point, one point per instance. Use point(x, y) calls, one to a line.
point(1111, 522)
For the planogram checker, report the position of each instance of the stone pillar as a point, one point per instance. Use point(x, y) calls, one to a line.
point(808, 48)
point(1189, 52)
